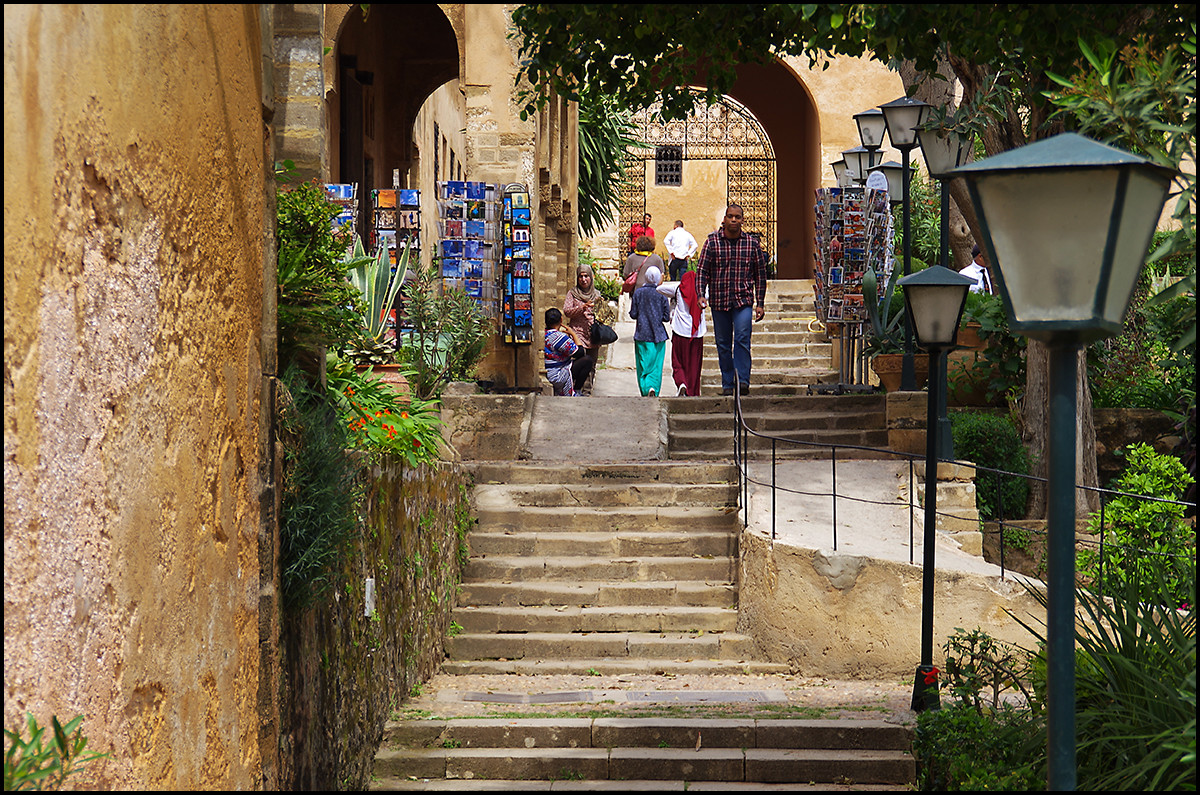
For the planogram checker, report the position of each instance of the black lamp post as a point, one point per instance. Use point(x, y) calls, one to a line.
point(1066, 223)
point(903, 116)
point(934, 298)
point(944, 151)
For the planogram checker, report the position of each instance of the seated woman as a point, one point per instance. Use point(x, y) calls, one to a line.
point(559, 352)
point(583, 306)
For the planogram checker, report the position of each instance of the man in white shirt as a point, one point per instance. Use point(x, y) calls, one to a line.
point(978, 271)
point(680, 247)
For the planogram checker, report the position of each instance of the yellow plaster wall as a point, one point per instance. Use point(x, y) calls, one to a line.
point(134, 205)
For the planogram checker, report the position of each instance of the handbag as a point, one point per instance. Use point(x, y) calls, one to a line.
point(603, 334)
point(630, 283)
point(631, 279)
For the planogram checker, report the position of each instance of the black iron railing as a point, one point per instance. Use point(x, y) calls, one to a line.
point(743, 434)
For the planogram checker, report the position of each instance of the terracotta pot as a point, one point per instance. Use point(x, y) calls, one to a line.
point(889, 368)
point(390, 374)
point(969, 339)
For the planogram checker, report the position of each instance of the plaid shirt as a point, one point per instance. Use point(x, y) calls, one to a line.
point(732, 273)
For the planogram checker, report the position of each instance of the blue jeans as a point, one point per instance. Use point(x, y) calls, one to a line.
point(731, 330)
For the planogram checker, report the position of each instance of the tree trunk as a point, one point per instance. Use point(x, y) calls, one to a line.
point(1035, 432)
point(1008, 132)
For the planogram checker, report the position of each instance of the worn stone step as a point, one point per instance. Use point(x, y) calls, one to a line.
point(607, 495)
point(671, 593)
point(567, 618)
point(766, 404)
point(805, 443)
point(392, 784)
point(703, 764)
point(613, 666)
point(795, 421)
point(619, 544)
point(558, 646)
point(529, 569)
point(657, 732)
point(560, 519)
point(511, 473)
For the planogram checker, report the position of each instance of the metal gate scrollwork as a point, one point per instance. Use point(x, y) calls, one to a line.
point(725, 131)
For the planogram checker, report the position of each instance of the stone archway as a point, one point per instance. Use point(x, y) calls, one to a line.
point(674, 159)
point(774, 94)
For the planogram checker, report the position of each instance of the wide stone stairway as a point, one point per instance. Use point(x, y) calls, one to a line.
point(624, 568)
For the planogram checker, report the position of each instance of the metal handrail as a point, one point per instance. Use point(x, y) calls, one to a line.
point(742, 434)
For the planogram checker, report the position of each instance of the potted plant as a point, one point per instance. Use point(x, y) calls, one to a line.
point(885, 343)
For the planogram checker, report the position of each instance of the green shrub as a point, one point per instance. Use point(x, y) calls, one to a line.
point(321, 492)
point(1145, 541)
point(317, 306)
point(1135, 691)
point(378, 419)
point(992, 441)
point(959, 748)
point(448, 338)
point(980, 669)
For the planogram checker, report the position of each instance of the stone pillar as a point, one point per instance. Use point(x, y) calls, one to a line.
point(301, 133)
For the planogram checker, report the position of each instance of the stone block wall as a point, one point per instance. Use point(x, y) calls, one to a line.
point(346, 671)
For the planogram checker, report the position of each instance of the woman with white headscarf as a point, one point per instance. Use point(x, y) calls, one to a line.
point(652, 311)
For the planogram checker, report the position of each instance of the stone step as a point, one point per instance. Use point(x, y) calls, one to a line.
point(603, 495)
point(567, 619)
point(806, 444)
point(643, 569)
point(786, 423)
point(653, 518)
point(647, 749)
point(620, 544)
point(486, 472)
point(639, 645)
point(668, 593)
point(612, 666)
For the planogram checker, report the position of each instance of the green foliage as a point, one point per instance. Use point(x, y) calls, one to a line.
point(959, 748)
point(1002, 362)
point(320, 495)
point(976, 662)
point(379, 419)
point(317, 306)
point(449, 334)
point(885, 314)
point(1149, 547)
point(606, 134)
point(378, 286)
point(1135, 691)
point(44, 762)
point(992, 442)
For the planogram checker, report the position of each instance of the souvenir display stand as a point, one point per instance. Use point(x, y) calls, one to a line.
point(853, 228)
point(469, 225)
point(396, 227)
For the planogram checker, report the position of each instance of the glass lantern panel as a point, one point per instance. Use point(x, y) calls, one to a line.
point(1143, 207)
point(935, 312)
point(1049, 230)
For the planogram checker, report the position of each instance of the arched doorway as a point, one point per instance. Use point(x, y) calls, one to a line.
point(674, 155)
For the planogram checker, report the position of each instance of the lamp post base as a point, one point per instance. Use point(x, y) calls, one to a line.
point(925, 689)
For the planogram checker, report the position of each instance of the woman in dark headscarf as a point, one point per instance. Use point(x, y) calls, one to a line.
point(583, 306)
point(687, 333)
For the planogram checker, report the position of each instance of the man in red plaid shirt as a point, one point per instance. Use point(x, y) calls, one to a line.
point(731, 279)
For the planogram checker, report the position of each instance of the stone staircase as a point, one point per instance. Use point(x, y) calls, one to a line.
point(608, 568)
point(630, 569)
point(643, 754)
point(789, 348)
point(702, 428)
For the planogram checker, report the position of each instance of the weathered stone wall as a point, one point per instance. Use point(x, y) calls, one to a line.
point(852, 617)
point(135, 203)
point(346, 671)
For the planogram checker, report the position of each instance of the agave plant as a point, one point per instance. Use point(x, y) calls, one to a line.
point(885, 324)
point(373, 278)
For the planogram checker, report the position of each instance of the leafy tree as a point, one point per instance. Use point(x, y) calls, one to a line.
point(605, 135)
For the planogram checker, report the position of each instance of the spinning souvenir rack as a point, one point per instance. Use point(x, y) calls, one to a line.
point(853, 229)
point(469, 220)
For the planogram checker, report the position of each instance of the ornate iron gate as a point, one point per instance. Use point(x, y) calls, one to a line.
point(725, 131)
